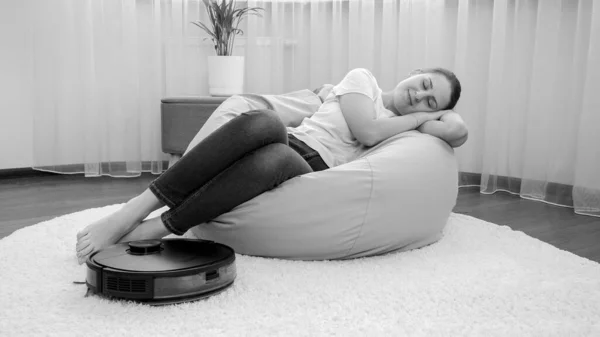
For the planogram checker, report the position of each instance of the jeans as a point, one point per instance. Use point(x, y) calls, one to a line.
point(245, 157)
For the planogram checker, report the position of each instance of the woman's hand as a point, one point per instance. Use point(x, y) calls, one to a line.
point(450, 128)
point(423, 117)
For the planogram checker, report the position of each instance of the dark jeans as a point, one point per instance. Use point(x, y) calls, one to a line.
point(245, 157)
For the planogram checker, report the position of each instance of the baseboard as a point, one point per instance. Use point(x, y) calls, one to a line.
point(23, 172)
point(558, 193)
point(469, 179)
point(29, 172)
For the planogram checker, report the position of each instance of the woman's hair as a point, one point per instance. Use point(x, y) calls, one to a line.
point(454, 84)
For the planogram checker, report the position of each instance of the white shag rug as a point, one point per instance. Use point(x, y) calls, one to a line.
point(481, 279)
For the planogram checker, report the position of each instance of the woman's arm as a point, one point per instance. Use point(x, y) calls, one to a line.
point(450, 128)
point(385, 128)
point(460, 141)
point(359, 112)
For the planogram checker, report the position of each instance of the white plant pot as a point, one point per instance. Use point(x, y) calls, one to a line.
point(225, 75)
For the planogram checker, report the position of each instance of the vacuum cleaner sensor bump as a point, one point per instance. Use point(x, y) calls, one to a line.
point(160, 272)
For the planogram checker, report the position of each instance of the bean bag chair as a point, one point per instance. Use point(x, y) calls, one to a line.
point(396, 197)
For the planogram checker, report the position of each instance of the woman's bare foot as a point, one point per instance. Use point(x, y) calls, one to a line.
point(104, 232)
point(108, 230)
point(147, 230)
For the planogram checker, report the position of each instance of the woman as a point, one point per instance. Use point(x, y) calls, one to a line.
point(255, 152)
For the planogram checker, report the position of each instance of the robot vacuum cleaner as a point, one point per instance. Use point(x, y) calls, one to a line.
point(161, 272)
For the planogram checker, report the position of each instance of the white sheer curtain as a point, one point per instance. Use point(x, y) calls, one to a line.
point(98, 81)
point(529, 69)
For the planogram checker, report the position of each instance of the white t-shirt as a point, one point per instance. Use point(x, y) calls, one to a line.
point(326, 130)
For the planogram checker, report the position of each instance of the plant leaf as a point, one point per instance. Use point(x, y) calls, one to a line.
point(206, 29)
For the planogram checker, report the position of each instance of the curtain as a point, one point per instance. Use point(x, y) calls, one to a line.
point(529, 72)
point(97, 83)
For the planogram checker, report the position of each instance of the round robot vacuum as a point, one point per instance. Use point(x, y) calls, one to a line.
point(161, 272)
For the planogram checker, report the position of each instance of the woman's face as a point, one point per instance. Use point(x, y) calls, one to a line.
point(423, 92)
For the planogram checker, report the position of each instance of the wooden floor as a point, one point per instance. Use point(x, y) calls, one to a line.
point(30, 200)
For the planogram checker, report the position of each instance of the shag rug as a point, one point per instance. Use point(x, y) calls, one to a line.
point(481, 279)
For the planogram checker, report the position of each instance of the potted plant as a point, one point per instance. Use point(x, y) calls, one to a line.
point(225, 72)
